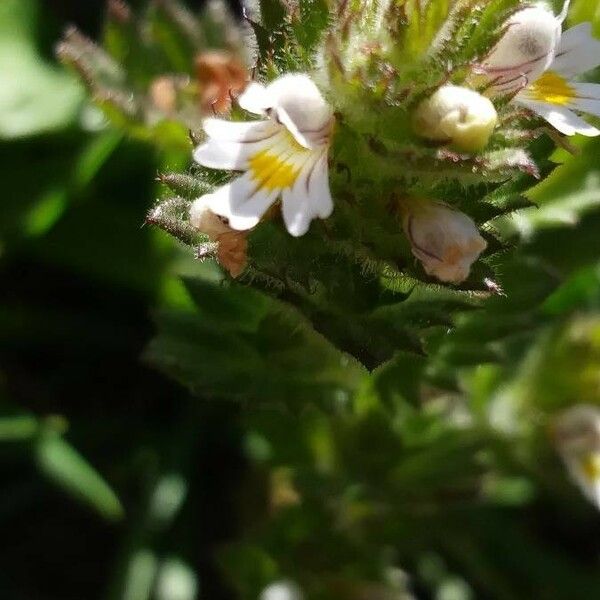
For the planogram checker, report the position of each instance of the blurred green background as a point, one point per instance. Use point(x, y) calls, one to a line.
point(118, 484)
point(80, 279)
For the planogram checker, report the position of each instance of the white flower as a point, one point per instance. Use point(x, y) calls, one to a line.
point(456, 115)
point(555, 95)
point(445, 240)
point(282, 590)
point(526, 50)
point(283, 156)
point(577, 435)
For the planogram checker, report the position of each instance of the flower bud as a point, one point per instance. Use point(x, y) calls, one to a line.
point(525, 51)
point(458, 116)
point(576, 434)
point(232, 250)
point(445, 240)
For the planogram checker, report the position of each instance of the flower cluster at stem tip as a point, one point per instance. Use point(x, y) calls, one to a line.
point(283, 157)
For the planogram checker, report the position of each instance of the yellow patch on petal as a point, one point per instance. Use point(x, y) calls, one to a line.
point(591, 466)
point(271, 172)
point(553, 89)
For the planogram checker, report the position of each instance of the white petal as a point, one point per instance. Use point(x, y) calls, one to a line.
point(231, 144)
point(289, 124)
point(562, 118)
point(588, 98)
point(241, 202)
point(579, 51)
point(255, 99)
point(239, 131)
point(299, 105)
point(307, 199)
point(216, 154)
point(318, 188)
point(526, 49)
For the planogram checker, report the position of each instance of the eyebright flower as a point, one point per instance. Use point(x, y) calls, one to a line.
point(456, 115)
point(232, 246)
point(445, 240)
point(284, 156)
point(577, 435)
point(525, 51)
point(555, 95)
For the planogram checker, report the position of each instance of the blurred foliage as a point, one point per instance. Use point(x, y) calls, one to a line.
point(428, 472)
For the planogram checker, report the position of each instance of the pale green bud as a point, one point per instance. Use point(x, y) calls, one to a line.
point(456, 115)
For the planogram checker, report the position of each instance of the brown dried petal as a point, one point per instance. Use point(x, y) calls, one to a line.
point(233, 252)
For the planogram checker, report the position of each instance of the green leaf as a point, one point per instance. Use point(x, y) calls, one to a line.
point(242, 344)
point(61, 463)
point(569, 193)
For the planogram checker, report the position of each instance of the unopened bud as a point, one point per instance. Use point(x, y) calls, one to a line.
point(445, 240)
point(184, 185)
point(458, 116)
point(525, 51)
point(576, 434)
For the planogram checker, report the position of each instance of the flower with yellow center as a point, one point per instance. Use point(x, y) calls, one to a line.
point(555, 95)
point(576, 433)
point(283, 156)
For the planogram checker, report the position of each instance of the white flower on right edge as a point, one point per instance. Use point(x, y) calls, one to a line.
point(284, 156)
point(445, 240)
point(555, 95)
point(576, 433)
